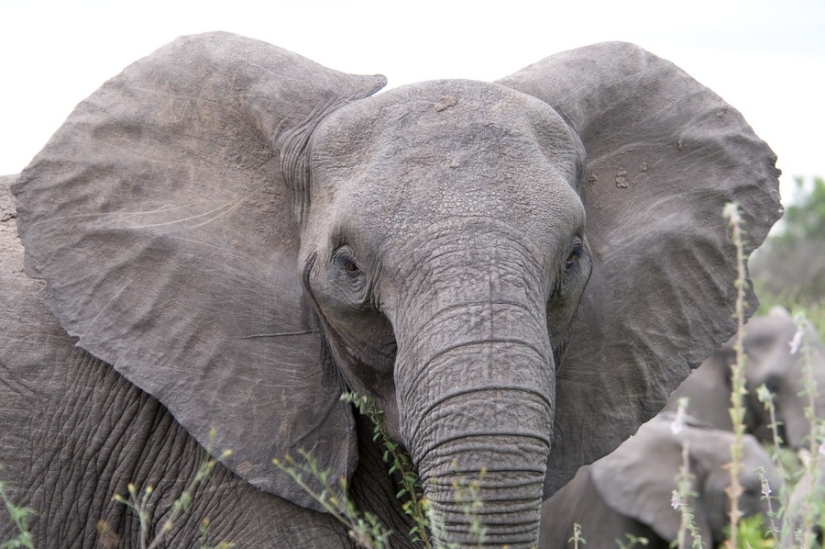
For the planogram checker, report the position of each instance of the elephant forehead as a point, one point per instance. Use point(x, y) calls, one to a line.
point(449, 149)
point(446, 124)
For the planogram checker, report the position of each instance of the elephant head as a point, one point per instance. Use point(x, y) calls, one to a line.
point(630, 490)
point(771, 360)
point(518, 272)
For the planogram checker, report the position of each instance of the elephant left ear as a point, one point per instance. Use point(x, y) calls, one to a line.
point(164, 217)
point(664, 156)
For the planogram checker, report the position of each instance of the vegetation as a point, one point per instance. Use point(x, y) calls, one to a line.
point(363, 527)
point(139, 504)
point(400, 465)
point(20, 518)
point(738, 391)
point(683, 492)
point(789, 269)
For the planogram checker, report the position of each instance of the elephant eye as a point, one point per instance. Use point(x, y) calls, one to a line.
point(752, 492)
point(773, 384)
point(346, 262)
point(575, 253)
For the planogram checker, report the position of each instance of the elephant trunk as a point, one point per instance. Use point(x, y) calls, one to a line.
point(477, 419)
point(485, 487)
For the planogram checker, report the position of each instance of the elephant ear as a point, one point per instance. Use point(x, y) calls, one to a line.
point(664, 157)
point(638, 479)
point(161, 219)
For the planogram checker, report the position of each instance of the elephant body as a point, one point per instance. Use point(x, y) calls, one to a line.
point(772, 361)
point(226, 236)
point(630, 490)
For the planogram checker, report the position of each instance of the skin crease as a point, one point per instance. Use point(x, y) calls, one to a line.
point(466, 261)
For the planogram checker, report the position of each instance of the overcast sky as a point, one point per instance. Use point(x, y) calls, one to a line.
point(766, 58)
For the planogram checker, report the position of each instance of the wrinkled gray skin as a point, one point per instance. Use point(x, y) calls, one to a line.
point(231, 235)
point(770, 362)
point(629, 491)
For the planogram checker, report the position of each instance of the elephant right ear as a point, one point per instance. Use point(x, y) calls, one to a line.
point(665, 155)
point(161, 219)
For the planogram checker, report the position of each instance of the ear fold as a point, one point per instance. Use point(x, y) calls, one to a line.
point(637, 480)
point(162, 222)
point(664, 156)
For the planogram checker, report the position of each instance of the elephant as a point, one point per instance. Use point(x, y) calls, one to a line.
point(226, 236)
point(770, 361)
point(630, 490)
point(805, 506)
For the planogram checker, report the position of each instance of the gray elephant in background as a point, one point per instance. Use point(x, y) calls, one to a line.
point(229, 235)
point(804, 504)
point(770, 360)
point(629, 491)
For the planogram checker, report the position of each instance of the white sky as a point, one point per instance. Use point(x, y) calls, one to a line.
point(766, 58)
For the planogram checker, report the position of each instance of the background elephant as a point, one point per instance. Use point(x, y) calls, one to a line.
point(629, 491)
point(230, 235)
point(771, 361)
point(804, 505)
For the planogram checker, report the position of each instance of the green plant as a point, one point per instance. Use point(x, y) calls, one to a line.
point(577, 536)
point(363, 527)
point(738, 390)
point(632, 541)
point(752, 534)
point(801, 344)
point(767, 490)
point(467, 495)
point(684, 482)
point(400, 465)
point(20, 517)
point(779, 457)
point(788, 464)
point(140, 505)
